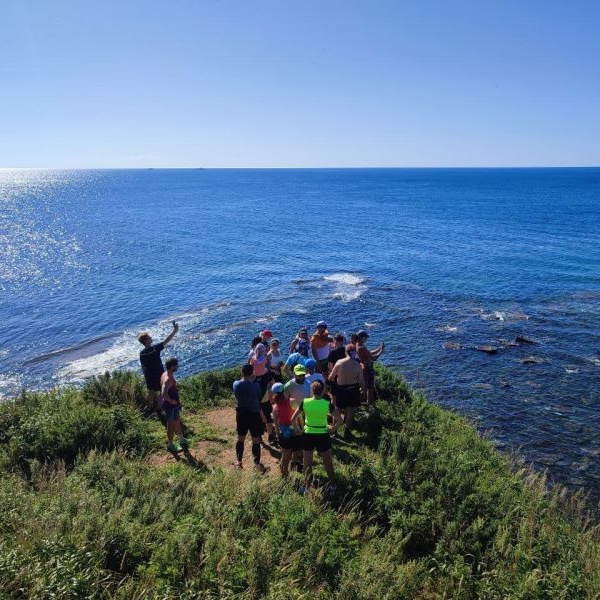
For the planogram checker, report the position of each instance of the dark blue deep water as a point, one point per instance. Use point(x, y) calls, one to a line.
point(418, 257)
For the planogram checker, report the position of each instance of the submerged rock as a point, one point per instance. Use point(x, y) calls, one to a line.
point(521, 339)
point(452, 346)
point(532, 360)
point(487, 349)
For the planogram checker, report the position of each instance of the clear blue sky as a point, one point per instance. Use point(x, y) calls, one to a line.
point(105, 83)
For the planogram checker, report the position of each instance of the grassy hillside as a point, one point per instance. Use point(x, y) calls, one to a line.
point(426, 509)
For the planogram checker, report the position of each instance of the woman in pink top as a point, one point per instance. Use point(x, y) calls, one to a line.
point(259, 362)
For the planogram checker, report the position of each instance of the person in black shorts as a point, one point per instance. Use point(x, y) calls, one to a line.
point(152, 365)
point(248, 416)
point(316, 432)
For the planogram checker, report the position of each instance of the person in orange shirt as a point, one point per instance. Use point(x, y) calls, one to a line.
point(320, 345)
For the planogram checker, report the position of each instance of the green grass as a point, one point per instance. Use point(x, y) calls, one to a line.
point(427, 509)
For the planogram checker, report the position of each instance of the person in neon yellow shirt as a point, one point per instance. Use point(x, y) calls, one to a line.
point(316, 433)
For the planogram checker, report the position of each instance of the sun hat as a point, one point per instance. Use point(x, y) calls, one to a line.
point(311, 363)
point(277, 388)
point(299, 370)
point(322, 324)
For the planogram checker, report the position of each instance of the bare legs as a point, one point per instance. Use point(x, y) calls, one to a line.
point(173, 427)
point(308, 464)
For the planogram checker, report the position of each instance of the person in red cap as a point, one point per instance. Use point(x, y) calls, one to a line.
point(265, 337)
point(367, 358)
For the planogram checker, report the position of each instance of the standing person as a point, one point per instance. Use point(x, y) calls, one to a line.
point(347, 375)
point(311, 374)
point(353, 342)
point(296, 390)
point(169, 395)
point(367, 358)
point(248, 416)
point(282, 416)
point(338, 351)
point(320, 346)
point(255, 341)
point(295, 358)
point(276, 361)
point(259, 362)
point(316, 436)
point(301, 343)
point(266, 336)
point(152, 365)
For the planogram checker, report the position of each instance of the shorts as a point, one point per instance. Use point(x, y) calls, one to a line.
point(276, 375)
point(323, 366)
point(321, 442)
point(347, 396)
point(249, 421)
point(293, 442)
point(153, 381)
point(267, 410)
point(369, 375)
point(171, 412)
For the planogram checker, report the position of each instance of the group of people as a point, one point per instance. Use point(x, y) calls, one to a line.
point(300, 401)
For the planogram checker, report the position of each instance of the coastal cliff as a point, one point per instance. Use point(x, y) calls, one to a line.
point(92, 507)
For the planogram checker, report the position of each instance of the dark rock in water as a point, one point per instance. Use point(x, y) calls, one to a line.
point(521, 339)
point(487, 349)
point(452, 346)
point(507, 343)
point(532, 360)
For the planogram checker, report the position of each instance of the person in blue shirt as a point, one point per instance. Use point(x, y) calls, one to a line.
point(294, 359)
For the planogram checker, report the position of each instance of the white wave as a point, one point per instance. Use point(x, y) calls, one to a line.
point(345, 278)
point(124, 351)
point(447, 329)
point(10, 386)
point(370, 325)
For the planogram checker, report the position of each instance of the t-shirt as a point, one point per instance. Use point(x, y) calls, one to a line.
point(275, 360)
point(295, 358)
point(150, 360)
point(315, 377)
point(284, 412)
point(297, 392)
point(337, 354)
point(247, 395)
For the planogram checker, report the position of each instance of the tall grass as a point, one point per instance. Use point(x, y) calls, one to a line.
point(427, 509)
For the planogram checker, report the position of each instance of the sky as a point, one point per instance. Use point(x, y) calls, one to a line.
point(252, 83)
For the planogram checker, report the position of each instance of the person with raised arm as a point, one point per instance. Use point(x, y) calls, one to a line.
point(367, 358)
point(152, 366)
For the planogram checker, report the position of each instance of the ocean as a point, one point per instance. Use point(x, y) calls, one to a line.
point(435, 262)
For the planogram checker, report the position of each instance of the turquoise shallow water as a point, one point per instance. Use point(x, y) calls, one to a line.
point(418, 257)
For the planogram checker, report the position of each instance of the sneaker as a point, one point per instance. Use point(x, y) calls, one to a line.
point(272, 440)
point(238, 464)
point(171, 447)
point(184, 442)
point(302, 490)
point(260, 468)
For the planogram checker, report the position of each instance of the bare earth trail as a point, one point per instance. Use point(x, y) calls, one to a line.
point(213, 435)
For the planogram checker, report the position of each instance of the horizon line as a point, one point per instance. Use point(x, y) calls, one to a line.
point(287, 168)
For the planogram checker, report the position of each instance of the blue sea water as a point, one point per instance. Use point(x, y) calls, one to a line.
point(419, 257)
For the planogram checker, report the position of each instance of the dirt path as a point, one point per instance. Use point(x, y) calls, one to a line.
point(213, 436)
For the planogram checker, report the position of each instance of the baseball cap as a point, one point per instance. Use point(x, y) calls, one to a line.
point(277, 388)
point(299, 370)
point(311, 363)
point(303, 330)
point(321, 324)
point(267, 333)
